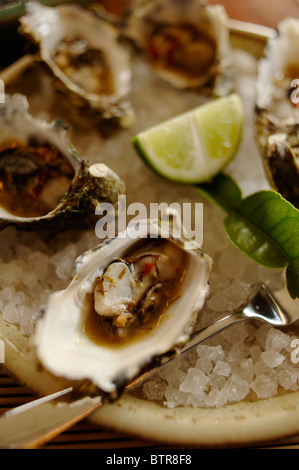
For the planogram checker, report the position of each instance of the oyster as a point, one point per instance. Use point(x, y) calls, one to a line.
point(131, 302)
point(277, 110)
point(185, 41)
point(43, 182)
point(84, 54)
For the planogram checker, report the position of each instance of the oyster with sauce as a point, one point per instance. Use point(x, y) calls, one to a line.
point(84, 54)
point(186, 42)
point(277, 110)
point(132, 301)
point(43, 182)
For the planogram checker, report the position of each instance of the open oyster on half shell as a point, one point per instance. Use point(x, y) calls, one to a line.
point(132, 301)
point(85, 56)
point(277, 110)
point(185, 41)
point(43, 182)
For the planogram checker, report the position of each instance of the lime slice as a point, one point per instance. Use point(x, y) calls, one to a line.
point(196, 145)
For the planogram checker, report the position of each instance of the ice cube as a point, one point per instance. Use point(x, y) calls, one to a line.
point(244, 369)
point(11, 274)
point(11, 313)
point(216, 398)
point(272, 358)
point(213, 353)
point(222, 368)
point(204, 364)
point(175, 397)
point(236, 388)
point(38, 263)
point(195, 382)
point(288, 379)
point(30, 280)
point(276, 340)
point(264, 386)
point(7, 294)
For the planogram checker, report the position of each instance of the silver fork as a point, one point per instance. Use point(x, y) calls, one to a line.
point(35, 423)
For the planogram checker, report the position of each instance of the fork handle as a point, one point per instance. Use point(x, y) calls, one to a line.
point(211, 330)
point(33, 427)
point(195, 339)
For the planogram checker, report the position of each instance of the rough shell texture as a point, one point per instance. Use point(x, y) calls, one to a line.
point(207, 20)
point(277, 112)
point(90, 185)
point(64, 348)
point(48, 27)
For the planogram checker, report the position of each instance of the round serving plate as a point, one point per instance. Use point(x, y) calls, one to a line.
point(241, 424)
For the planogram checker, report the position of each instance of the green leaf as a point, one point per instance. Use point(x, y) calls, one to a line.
point(263, 225)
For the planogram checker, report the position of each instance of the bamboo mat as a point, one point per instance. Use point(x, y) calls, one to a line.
point(86, 435)
point(83, 435)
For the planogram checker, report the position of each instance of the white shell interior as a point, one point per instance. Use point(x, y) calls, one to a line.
point(64, 348)
point(48, 26)
point(210, 19)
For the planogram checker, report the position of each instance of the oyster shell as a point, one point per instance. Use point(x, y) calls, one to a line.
point(85, 55)
point(43, 182)
point(131, 301)
point(277, 110)
point(185, 41)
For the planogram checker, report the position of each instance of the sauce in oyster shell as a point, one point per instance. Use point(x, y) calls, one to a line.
point(33, 179)
point(146, 304)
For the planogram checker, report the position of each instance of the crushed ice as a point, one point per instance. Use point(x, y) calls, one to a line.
point(246, 361)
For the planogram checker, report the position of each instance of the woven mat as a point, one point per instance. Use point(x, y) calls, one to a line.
point(83, 435)
point(86, 435)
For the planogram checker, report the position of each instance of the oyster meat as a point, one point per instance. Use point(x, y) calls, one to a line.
point(185, 41)
point(277, 110)
point(43, 182)
point(132, 301)
point(85, 55)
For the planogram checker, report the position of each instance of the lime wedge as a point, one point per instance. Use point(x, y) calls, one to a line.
point(196, 145)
